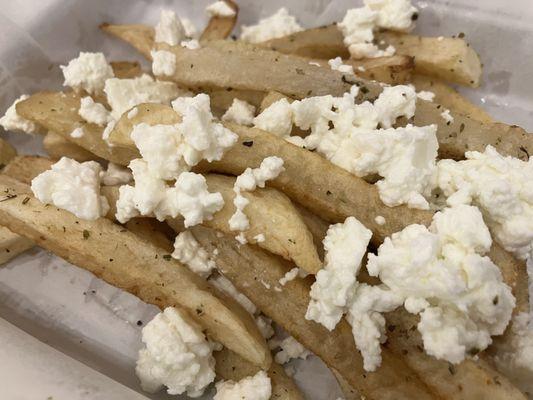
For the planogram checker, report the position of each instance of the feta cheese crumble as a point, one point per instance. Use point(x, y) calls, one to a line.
point(290, 349)
point(72, 186)
point(276, 118)
point(447, 116)
point(359, 24)
point(163, 63)
point(77, 133)
point(88, 72)
point(336, 64)
point(92, 112)
point(344, 245)
point(269, 169)
point(277, 25)
point(116, 175)
point(169, 29)
point(380, 220)
point(240, 112)
point(289, 276)
point(426, 95)
point(177, 355)
point(123, 94)
point(188, 251)
point(11, 121)
point(502, 187)
point(191, 44)
point(257, 387)
point(220, 9)
point(462, 299)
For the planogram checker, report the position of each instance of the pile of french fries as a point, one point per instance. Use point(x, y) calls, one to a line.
point(293, 212)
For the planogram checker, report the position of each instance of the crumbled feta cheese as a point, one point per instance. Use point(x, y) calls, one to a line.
point(116, 175)
point(359, 24)
point(188, 197)
point(227, 287)
point(361, 68)
point(290, 349)
point(169, 29)
point(177, 355)
point(220, 9)
point(240, 112)
point(276, 118)
point(123, 94)
point(77, 133)
point(72, 186)
point(241, 238)
point(345, 245)
point(205, 137)
point(336, 64)
point(257, 387)
point(447, 116)
point(89, 72)
point(380, 220)
point(397, 15)
point(404, 157)
point(269, 169)
point(502, 187)
point(92, 112)
point(462, 299)
point(188, 251)
point(259, 238)
point(426, 95)
point(133, 113)
point(264, 325)
point(514, 356)
point(191, 44)
point(11, 121)
point(277, 25)
point(289, 276)
point(163, 62)
point(189, 27)
point(314, 63)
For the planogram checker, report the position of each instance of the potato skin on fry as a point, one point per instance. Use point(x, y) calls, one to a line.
point(220, 27)
point(7, 153)
point(121, 259)
point(11, 245)
point(57, 146)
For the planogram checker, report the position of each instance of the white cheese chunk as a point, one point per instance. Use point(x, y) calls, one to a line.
point(77, 133)
point(89, 72)
point(289, 276)
point(396, 15)
point(123, 94)
point(345, 245)
point(92, 112)
point(190, 29)
point(502, 187)
point(176, 355)
point(11, 121)
point(276, 118)
point(188, 251)
point(191, 44)
point(219, 9)
point(72, 186)
point(240, 112)
point(163, 63)
point(277, 25)
point(290, 349)
point(169, 29)
point(447, 116)
point(257, 387)
point(426, 95)
point(336, 64)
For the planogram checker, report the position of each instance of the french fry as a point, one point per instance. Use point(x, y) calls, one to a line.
point(220, 27)
point(126, 69)
point(11, 245)
point(123, 260)
point(141, 37)
point(230, 366)
point(450, 98)
point(58, 112)
point(25, 168)
point(450, 59)
point(151, 230)
point(57, 146)
point(7, 153)
point(222, 98)
point(316, 225)
point(256, 274)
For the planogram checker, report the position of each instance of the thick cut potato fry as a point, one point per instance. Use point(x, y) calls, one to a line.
point(58, 112)
point(11, 245)
point(230, 366)
point(25, 168)
point(220, 27)
point(121, 259)
point(57, 146)
point(450, 98)
point(221, 99)
point(270, 98)
point(7, 153)
point(141, 37)
point(257, 274)
point(317, 226)
point(151, 230)
point(450, 59)
point(126, 69)
point(272, 214)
